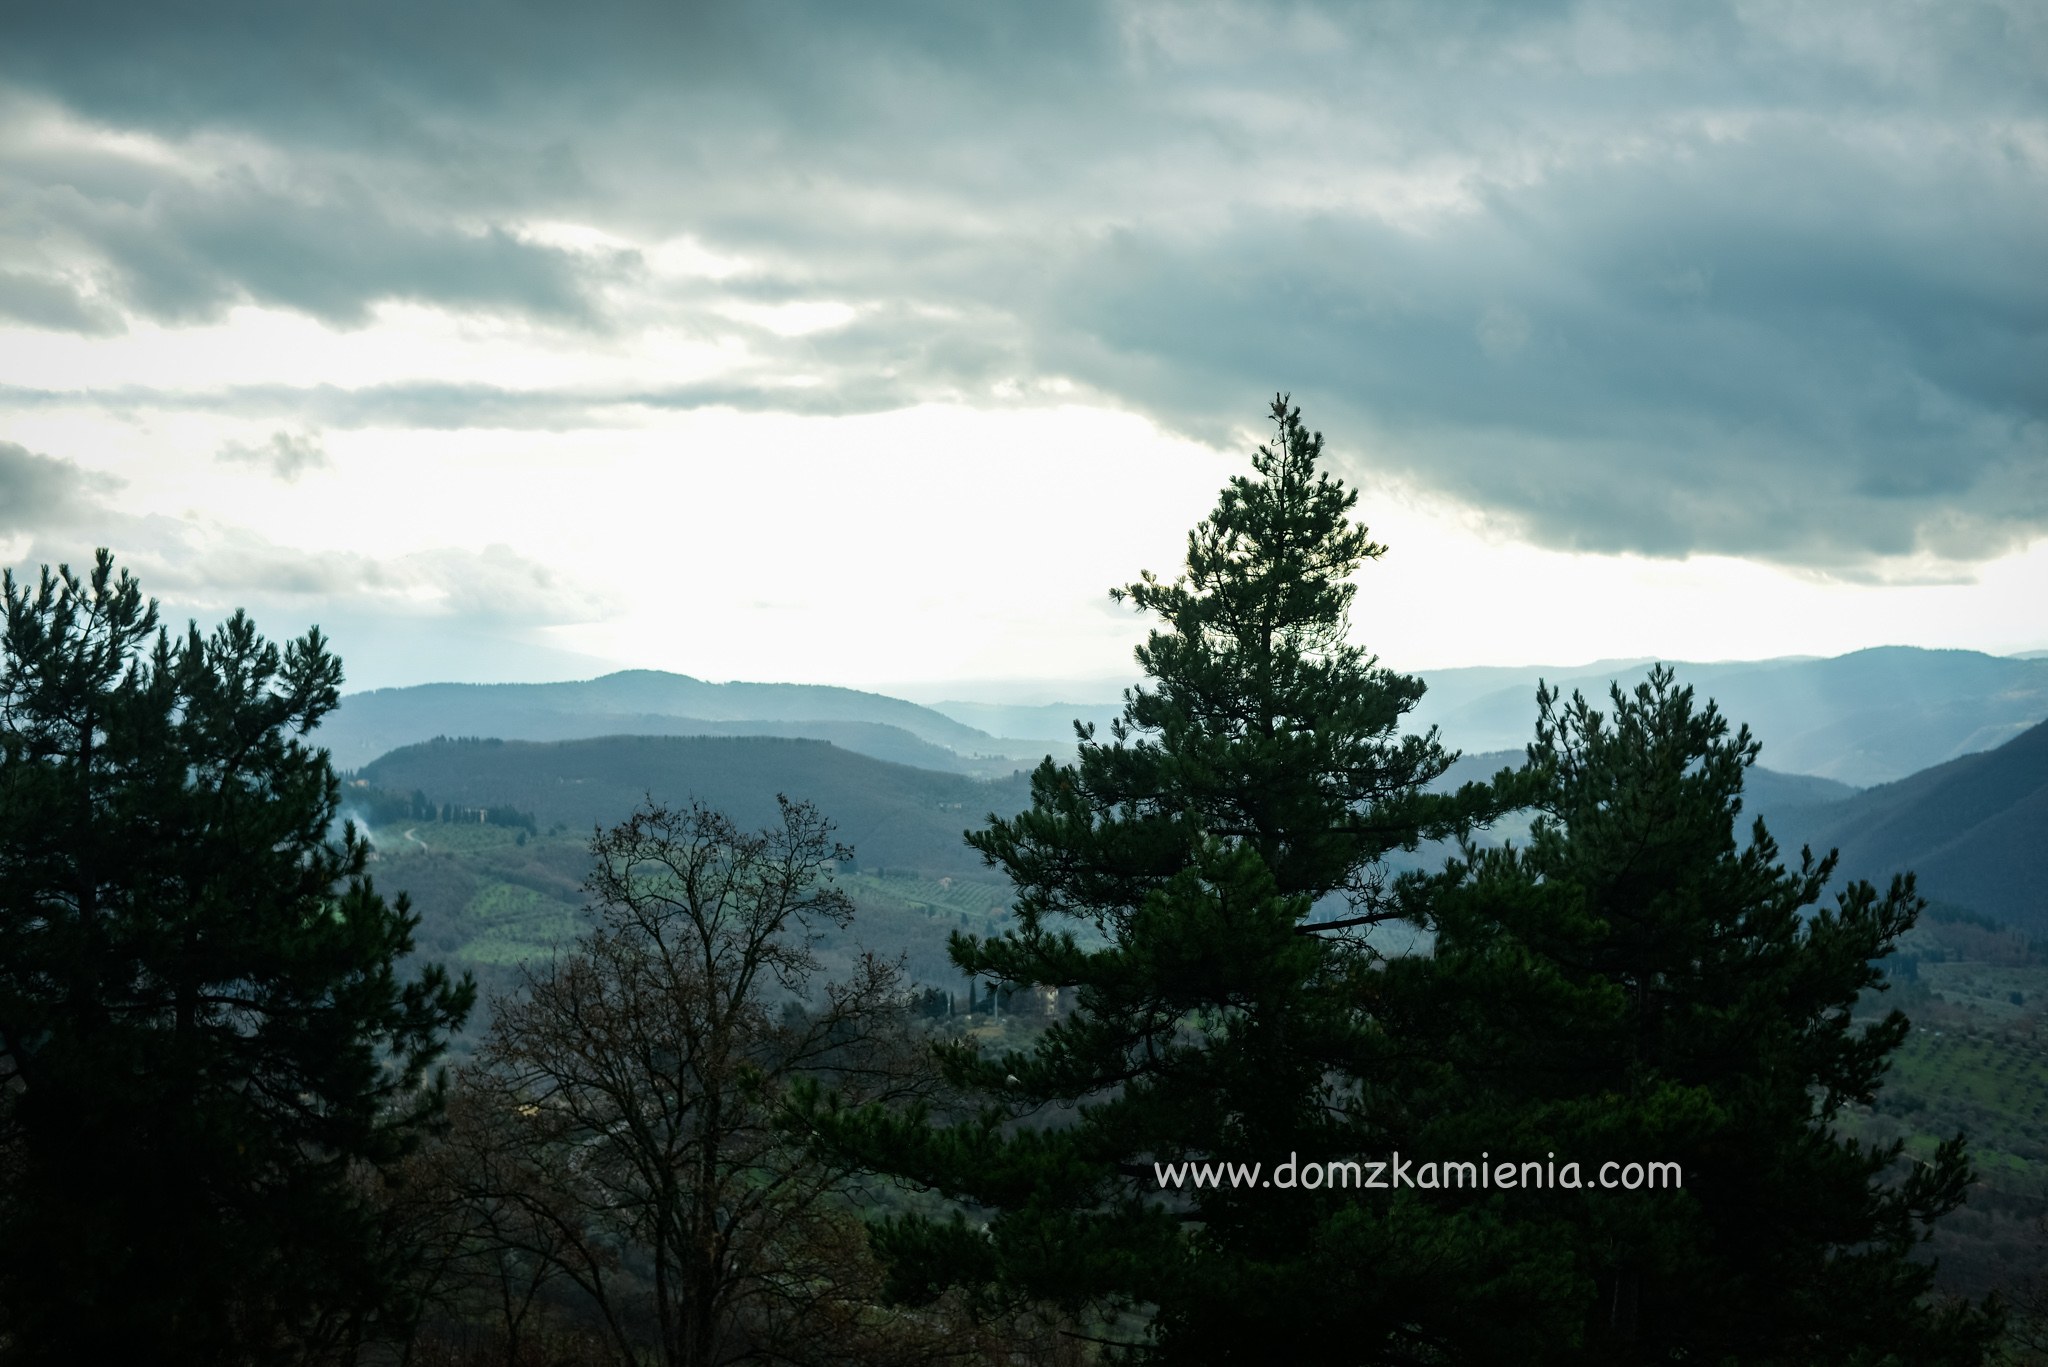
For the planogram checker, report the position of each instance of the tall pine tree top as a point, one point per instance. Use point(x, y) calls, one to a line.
point(1262, 726)
point(1169, 876)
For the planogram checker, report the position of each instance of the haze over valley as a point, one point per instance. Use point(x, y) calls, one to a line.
point(1867, 751)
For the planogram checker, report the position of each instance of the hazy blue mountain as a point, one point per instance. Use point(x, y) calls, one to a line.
point(1768, 793)
point(649, 702)
point(1764, 790)
point(1051, 722)
point(873, 739)
point(1501, 695)
point(894, 814)
point(1867, 717)
point(1872, 716)
point(1974, 829)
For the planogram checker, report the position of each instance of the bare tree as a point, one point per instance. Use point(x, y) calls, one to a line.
point(486, 1238)
point(624, 1126)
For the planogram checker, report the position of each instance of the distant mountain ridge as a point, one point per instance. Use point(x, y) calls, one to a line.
point(1871, 716)
point(650, 702)
point(1974, 830)
point(1868, 717)
point(1044, 721)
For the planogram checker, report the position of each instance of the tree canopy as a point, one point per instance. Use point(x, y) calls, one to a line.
point(1630, 987)
point(1200, 883)
point(1637, 983)
point(205, 1042)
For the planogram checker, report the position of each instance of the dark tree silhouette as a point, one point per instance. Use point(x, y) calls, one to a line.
point(1170, 877)
point(623, 1126)
point(1638, 985)
point(203, 1039)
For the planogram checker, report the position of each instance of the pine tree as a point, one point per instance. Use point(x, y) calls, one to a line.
point(1175, 878)
point(1636, 985)
point(205, 1047)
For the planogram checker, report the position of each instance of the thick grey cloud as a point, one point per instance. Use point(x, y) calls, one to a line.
point(37, 490)
point(181, 245)
point(1765, 281)
point(45, 301)
point(1644, 363)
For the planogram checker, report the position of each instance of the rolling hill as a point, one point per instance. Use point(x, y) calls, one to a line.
point(648, 702)
point(1975, 831)
point(894, 815)
point(903, 782)
point(1873, 716)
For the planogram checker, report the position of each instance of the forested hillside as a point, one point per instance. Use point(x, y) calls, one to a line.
point(1974, 830)
point(894, 815)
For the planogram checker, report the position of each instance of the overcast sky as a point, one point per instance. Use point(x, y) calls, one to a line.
point(872, 343)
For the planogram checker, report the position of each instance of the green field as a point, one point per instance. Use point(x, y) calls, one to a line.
point(1976, 1061)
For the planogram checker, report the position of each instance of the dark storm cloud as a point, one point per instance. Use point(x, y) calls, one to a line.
point(1669, 279)
point(330, 256)
point(1645, 359)
point(184, 247)
point(383, 73)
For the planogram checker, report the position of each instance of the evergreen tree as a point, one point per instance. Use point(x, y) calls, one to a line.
point(204, 1044)
point(1175, 877)
point(1636, 985)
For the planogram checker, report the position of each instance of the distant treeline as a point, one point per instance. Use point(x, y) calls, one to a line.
point(383, 807)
